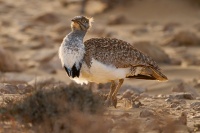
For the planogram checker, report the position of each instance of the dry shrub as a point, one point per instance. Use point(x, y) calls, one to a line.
point(58, 109)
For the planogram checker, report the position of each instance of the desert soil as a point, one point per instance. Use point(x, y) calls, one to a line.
point(32, 31)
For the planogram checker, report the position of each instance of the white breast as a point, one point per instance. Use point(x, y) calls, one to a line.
point(100, 73)
point(69, 55)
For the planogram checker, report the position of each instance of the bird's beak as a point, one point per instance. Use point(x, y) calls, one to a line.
point(74, 20)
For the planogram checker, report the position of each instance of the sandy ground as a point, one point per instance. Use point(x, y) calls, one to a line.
point(32, 32)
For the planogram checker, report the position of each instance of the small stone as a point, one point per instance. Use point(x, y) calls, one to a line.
point(8, 62)
point(184, 87)
point(47, 18)
point(146, 113)
point(174, 105)
point(188, 96)
point(41, 81)
point(168, 100)
point(134, 89)
point(127, 94)
point(136, 104)
point(153, 51)
point(144, 95)
point(161, 96)
point(95, 7)
point(140, 31)
point(6, 88)
point(24, 88)
point(52, 66)
point(178, 107)
point(183, 38)
point(197, 98)
point(35, 45)
point(116, 20)
point(183, 118)
point(16, 77)
point(195, 106)
point(170, 27)
point(44, 55)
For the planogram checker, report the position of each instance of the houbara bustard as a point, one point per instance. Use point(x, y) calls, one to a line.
point(103, 60)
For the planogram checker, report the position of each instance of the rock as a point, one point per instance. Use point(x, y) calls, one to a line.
point(195, 106)
point(153, 51)
point(184, 87)
point(169, 27)
point(168, 100)
point(139, 31)
point(24, 88)
point(6, 8)
point(179, 88)
point(44, 55)
point(188, 96)
point(40, 41)
point(136, 104)
point(178, 107)
point(160, 96)
point(190, 59)
point(5, 23)
point(196, 83)
point(47, 18)
point(35, 45)
point(32, 64)
point(6, 88)
point(174, 105)
point(135, 89)
point(8, 62)
point(116, 20)
point(14, 77)
point(61, 31)
point(41, 81)
point(183, 118)
point(127, 94)
point(52, 66)
point(95, 7)
point(10, 42)
point(183, 38)
point(146, 113)
point(175, 61)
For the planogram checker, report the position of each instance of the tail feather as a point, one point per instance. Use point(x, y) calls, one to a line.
point(148, 73)
point(158, 75)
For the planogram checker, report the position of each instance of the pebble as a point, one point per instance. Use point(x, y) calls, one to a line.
point(188, 96)
point(146, 113)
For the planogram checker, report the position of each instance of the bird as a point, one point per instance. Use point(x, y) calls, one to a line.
point(103, 60)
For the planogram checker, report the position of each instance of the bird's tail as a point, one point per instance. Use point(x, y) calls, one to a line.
point(158, 75)
point(148, 73)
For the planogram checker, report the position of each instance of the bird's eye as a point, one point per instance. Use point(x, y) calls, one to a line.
point(84, 21)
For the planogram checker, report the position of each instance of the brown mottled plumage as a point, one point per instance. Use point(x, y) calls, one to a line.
point(112, 51)
point(102, 60)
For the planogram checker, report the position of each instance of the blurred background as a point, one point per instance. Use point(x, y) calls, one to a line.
point(167, 30)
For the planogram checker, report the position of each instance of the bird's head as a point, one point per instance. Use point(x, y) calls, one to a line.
point(81, 23)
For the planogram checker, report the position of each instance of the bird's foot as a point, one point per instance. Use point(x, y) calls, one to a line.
point(111, 102)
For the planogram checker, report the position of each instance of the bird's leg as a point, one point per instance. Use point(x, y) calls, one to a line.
point(108, 101)
point(114, 94)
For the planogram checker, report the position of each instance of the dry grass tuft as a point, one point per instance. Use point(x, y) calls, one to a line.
point(60, 108)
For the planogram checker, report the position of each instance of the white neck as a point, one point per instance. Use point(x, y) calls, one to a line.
point(72, 49)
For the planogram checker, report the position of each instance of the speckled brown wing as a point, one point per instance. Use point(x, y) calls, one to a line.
point(116, 52)
point(120, 54)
